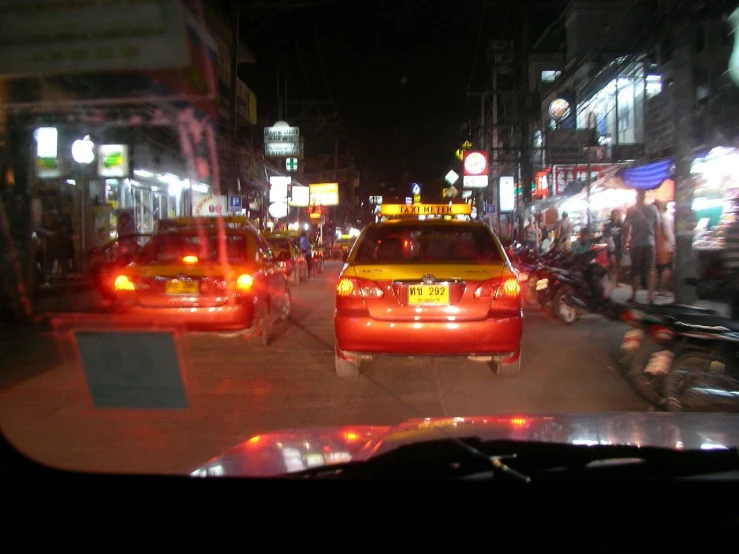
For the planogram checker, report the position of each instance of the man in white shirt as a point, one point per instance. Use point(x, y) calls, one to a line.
point(666, 248)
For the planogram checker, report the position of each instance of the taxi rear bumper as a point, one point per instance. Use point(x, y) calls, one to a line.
point(490, 336)
point(228, 317)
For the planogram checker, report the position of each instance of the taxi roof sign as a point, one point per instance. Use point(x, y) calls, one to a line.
point(414, 210)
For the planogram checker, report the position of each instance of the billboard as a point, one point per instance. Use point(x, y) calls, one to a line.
point(299, 196)
point(324, 194)
point(507, 194)
point(58, 37)
point(113, 160)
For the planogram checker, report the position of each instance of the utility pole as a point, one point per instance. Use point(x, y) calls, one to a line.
point(482, 146)
point(496, 166)
point(681, 94)
point(524, 102)
point(235, 13)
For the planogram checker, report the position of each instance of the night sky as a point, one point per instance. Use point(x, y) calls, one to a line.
point(397, 71)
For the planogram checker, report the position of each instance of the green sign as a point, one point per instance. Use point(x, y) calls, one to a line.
point(291, 164)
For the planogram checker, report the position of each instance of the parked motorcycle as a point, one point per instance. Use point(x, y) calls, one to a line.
point(584, 286)
point(645, 357)
point(107, 260)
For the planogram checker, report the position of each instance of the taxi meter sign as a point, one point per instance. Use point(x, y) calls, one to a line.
point(425, 209)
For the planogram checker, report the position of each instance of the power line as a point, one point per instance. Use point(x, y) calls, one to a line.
point(320, 56)
point(474, 57)
point(300, 59)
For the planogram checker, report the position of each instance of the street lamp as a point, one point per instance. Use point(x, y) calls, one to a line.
point(83, 152)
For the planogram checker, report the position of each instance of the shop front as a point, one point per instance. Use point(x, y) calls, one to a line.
point(716, 189)
point(80, 188)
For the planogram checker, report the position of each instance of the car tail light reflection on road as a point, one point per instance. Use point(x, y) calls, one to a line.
point(358, 288)
point(122, 282)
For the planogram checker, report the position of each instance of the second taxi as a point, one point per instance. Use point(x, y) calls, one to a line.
point(207, 277)
point(424, 282)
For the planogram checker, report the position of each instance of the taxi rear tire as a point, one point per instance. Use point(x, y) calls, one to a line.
point(346, 368)
point(512, 369)
point(266, 328)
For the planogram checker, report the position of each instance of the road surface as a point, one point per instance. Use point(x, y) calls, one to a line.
point(241, 388)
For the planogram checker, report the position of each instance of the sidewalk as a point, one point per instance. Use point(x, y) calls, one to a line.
point(623, 293)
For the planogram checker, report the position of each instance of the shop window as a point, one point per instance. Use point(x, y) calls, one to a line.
point(549, 76)
point(654, 85)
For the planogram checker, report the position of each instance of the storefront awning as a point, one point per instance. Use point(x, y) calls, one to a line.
point(647, 177)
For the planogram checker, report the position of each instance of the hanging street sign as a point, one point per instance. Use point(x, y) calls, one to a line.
point(291, 164)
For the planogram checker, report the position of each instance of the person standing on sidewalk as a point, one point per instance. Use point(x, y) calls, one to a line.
point(563, 234)
point(614, 232)
point(641, 226)
point(665, 248)
point(532, 235)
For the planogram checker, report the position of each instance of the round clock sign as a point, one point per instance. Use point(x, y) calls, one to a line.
point(475, 163)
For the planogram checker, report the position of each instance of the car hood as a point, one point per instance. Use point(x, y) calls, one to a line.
point(290, 450)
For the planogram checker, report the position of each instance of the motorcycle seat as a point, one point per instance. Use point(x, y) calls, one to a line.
point(709, 320)
point(679, 309)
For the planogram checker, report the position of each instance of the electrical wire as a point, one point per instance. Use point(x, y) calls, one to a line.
point(476, 54)
point(320, 56)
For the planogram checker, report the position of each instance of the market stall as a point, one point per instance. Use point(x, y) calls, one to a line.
point(716, 185)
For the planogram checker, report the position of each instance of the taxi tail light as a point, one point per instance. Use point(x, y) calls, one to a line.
point(358, 288)
point(499, 289)
point(244, 282)
point(122, 282)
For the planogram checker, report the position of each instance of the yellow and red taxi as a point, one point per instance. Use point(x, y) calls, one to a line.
point(428, 281)
point(207, 275)
point(289, 257)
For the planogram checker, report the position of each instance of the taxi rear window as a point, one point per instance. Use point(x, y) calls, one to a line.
point(443, 243)
point(171, 248)
point(280, 243)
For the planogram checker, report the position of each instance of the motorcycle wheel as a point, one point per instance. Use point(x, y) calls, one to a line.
point(564, 312)
point(708, 373)
point(649, 386)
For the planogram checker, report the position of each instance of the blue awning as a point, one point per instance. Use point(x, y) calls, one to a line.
point(648, 177)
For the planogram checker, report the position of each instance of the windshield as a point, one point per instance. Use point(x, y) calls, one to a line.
point(282, 244)
point(428, 243)
point(221, 219)
point(172, 248)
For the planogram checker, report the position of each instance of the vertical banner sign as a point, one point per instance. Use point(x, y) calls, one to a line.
point(506, 194)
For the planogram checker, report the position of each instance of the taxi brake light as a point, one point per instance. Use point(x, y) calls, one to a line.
point(190, 259)
point(358, 288)
point(507, 287)
point(122, 282)
point(244, 282)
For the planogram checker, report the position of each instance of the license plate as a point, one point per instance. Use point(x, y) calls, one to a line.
point(428, 294)
point(181, 287)
point(541, 284)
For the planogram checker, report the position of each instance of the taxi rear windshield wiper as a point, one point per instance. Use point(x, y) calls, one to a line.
point(530, 461)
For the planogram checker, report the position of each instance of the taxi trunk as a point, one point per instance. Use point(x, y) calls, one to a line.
point(181, 285)
point(406, 293)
